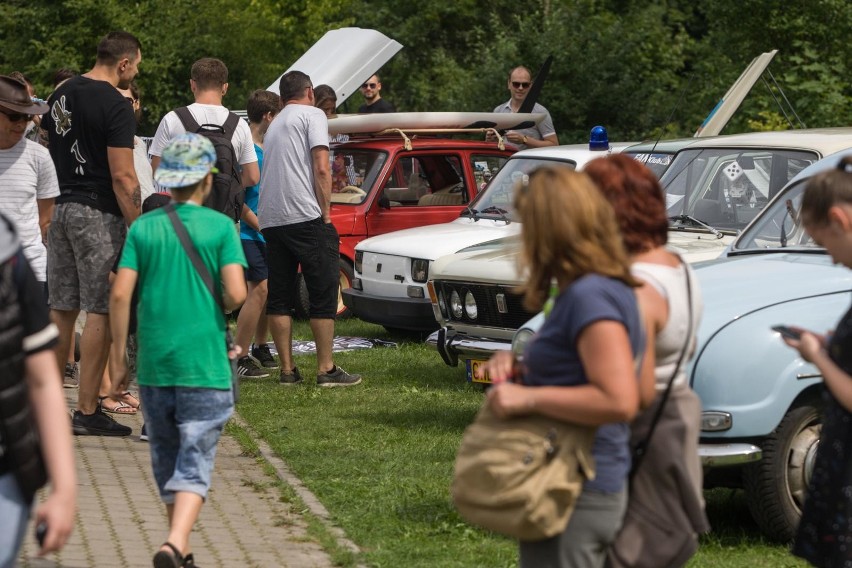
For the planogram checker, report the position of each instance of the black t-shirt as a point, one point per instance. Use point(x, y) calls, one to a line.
point(379, 106)
point(87, 116)
point(39, 332)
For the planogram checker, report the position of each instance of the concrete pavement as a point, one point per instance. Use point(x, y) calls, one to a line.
point(121, 521)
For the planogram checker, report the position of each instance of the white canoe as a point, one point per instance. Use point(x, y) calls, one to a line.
point(370, 123)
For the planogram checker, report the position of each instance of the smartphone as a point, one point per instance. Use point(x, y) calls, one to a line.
point(787, 332)
point(40, 533)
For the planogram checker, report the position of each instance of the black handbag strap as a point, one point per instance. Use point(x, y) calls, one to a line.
point(192, 253)
point(642, 447)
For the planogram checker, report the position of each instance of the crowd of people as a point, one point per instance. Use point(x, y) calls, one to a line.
point(622, 309)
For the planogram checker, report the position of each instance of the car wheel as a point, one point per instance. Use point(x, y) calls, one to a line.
point(303, 302)
point(776, 485)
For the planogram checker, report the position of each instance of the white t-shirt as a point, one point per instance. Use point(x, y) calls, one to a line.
point(143, 167)
point(171, 126)
point(26, 175)
point(287, 180)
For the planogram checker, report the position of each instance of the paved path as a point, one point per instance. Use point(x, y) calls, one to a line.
point(121, 521)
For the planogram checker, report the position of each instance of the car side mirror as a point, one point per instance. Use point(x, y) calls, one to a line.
point(384, 202)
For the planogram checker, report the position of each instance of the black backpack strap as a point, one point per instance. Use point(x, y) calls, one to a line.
point(186, 118)
point(230, 125)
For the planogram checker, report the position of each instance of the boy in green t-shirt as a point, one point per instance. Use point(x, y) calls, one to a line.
point(176, 309)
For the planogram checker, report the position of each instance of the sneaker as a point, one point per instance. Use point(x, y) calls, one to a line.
point(289, 379)
point(337, 378)
point(71, 379)
point(97, 424)
point(143, 435)
point(248, 369)
point(263, 355)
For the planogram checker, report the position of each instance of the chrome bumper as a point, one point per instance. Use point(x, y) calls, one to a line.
point(724, 455)
point(450, 345)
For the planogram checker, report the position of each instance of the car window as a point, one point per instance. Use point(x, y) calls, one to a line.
point(353, 173)
point(427, 180)
point(657, 162)
point(496, 200)
point(779, 226)
point(485, 167)
point(727, 187)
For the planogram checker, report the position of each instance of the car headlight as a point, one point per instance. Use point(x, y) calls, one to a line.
point(419, 269)
point(470, 305)
point(456, 305)
point(442, 304)
point(716, 421)
point(359, 261)
point(520, 341)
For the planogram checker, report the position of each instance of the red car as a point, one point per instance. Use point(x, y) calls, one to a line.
point(379, 186)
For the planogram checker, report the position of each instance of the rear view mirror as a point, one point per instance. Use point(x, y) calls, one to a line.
point(746, 162)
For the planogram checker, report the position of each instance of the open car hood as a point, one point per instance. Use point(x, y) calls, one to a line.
point(343, 59)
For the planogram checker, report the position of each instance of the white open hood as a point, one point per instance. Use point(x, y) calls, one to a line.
point(344, 59)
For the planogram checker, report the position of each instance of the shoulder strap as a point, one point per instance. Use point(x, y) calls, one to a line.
point(192, 253)
point(642, 447)
point(186, 118)
point(230, 125)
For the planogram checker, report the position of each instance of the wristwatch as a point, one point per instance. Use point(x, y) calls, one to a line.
point(525, 139)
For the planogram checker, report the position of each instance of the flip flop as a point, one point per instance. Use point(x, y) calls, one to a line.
point(166, 559)
point(119, 408)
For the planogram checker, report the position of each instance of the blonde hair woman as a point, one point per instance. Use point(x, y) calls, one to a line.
point(580, 366)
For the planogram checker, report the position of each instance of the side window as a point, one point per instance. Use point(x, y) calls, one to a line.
point(444, 181)
point(484, 168)
point(407, 182)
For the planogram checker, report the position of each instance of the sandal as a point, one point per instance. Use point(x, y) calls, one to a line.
point(166, 559)
point(189, 561)
point(117, 406)
point(131, 400)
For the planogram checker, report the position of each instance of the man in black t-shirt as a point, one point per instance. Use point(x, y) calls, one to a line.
point(91, 128)
point(372, 91)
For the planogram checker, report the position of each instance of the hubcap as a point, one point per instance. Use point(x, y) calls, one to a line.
point(800, 463)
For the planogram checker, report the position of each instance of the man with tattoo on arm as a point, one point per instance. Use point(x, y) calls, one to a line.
point(91, 129)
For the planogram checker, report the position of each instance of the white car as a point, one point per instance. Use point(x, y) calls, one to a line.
point(391, 270)
point(714, 188)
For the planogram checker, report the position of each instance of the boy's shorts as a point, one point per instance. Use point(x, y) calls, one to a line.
point(255, 252)
point(184, 425)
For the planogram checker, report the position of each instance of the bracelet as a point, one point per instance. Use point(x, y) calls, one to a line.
point(525, 139)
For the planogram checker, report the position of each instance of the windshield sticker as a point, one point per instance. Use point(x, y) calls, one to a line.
point(733, 170)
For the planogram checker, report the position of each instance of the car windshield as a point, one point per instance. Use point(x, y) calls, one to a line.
point(495, 202)
point(725, 188)
point(657, 162)
point(353, 173)
point(779, 227)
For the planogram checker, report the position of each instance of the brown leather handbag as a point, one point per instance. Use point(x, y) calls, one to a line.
point(521, 476)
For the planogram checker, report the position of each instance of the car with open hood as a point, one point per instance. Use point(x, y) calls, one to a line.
point(761, 401)
point(714, 188)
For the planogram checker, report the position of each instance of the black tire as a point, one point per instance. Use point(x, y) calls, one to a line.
point(776, 485)
point(303, 302)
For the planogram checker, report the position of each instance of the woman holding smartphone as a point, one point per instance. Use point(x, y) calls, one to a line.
point(823, 537)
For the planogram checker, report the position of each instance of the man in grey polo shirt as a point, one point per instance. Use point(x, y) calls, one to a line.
point(540, 135)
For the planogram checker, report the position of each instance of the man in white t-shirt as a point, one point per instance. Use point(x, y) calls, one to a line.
point(294, 213)
point(209, 83)
point(28, 184)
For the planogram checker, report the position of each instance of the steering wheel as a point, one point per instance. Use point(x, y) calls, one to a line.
point(353, 189)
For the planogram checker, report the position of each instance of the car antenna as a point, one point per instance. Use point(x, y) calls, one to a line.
point(671, 114)
point(786, 100)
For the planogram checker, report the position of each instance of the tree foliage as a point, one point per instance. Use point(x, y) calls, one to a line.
point(641, 69)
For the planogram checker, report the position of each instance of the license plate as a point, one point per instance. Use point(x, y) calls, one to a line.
point(474, 367)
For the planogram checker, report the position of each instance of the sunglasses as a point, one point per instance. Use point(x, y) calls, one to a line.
point(369, 85)
point(521, 85)
point(16, 116)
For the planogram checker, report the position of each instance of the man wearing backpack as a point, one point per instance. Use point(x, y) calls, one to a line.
point(237, 161)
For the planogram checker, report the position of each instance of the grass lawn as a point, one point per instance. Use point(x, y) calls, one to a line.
point(380, 456)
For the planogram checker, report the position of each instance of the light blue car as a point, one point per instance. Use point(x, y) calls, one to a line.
point(761, 401)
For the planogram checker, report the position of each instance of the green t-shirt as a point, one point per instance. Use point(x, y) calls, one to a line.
point(181, 332)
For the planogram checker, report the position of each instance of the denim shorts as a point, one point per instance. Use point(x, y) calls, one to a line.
point(184, 426)
point(255, 252)
point(313, 245)
point(84, 243)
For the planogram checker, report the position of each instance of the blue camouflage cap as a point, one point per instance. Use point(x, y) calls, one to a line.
point(185, 161)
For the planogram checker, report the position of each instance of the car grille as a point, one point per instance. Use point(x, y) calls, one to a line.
point(487, 303)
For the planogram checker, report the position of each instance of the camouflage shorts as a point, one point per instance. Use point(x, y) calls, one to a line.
point(83, 244)
point(131, 357)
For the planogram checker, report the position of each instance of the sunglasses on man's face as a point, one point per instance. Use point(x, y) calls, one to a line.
point(369, 85)
point(521, 85)
point(16, 116)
